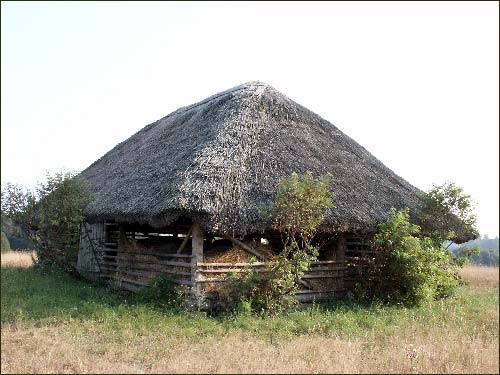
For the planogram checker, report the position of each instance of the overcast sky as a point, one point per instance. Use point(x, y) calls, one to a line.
point(415, 83)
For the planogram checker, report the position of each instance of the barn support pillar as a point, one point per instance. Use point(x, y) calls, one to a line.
point(341, 247)
point(197, 252)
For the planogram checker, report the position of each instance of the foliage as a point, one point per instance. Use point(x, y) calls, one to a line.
point(240, 293)
point(162, 291)
point(18, 238)
point(447, 213)
point(5, 243)
point(299, 208)
point(414, 270)
point(51, 215)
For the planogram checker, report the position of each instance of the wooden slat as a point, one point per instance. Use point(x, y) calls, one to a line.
point(113, 276)
point(170, 255)
point(229, 270)
point(322, 277)
point(202, 264)
point(173, 272)
point(260, 264)
point(221, 279)
point(317, 291)
point(140, 283)
point(164, 262)
point(320, 269)
point(326, 262)
point(186, 239)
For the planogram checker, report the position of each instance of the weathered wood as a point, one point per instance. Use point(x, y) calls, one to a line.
point(331, 268)
point(243, 264)
point(186, 239)
point(123, 236)
point(134, 268)
point(197, 243)
point(115, 277)
point(246, 248)
point(124, 280)
point(316, 291)
point(145, 275)
point(229, 270)
point(321, 277)
point(164, 262)
point(172, 255)
point(305, 283)
point(201, 264)
point(259, 269)
point(197, 251)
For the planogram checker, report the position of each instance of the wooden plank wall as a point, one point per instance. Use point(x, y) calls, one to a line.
point(89, 255)
point(119, 259)
point(358, 257)
point(324, 279)
point(126, 264)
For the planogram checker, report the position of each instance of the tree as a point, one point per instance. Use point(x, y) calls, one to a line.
point(52, 215)
point(446, 214)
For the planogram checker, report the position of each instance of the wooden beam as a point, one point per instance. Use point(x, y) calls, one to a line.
point(197, 252)
point(186, 239)
point(197, 243)
point(341, 258)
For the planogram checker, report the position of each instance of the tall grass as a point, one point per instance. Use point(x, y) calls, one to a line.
point(53, 323)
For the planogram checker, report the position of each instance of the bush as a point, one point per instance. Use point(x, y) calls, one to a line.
point(413, 270)
point(241, 293)
point(298, 210)
point(162, 292)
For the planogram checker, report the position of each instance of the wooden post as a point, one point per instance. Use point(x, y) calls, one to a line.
point(197, 252)
point(341, 246)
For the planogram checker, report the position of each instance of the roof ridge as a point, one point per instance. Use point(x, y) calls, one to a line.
point(246, 85)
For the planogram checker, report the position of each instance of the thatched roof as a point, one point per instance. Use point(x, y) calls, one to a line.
point(220, 160)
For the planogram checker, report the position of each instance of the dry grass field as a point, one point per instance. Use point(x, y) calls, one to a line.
point(17, 259)
point(53, 324)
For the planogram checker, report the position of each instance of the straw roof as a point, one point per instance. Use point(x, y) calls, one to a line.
point(219, 162)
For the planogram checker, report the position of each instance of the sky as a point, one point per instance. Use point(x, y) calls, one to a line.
point(415, 83)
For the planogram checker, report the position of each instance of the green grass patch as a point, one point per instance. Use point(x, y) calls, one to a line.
point(30, 297)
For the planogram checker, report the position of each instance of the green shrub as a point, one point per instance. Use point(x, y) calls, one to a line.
point(414, 271)
point(162, 291)
point(240, 293)
point(299, 208)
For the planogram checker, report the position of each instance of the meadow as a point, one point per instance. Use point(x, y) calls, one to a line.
point(52, 323)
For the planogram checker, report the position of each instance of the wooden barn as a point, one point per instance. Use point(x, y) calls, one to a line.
point(183, 195)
